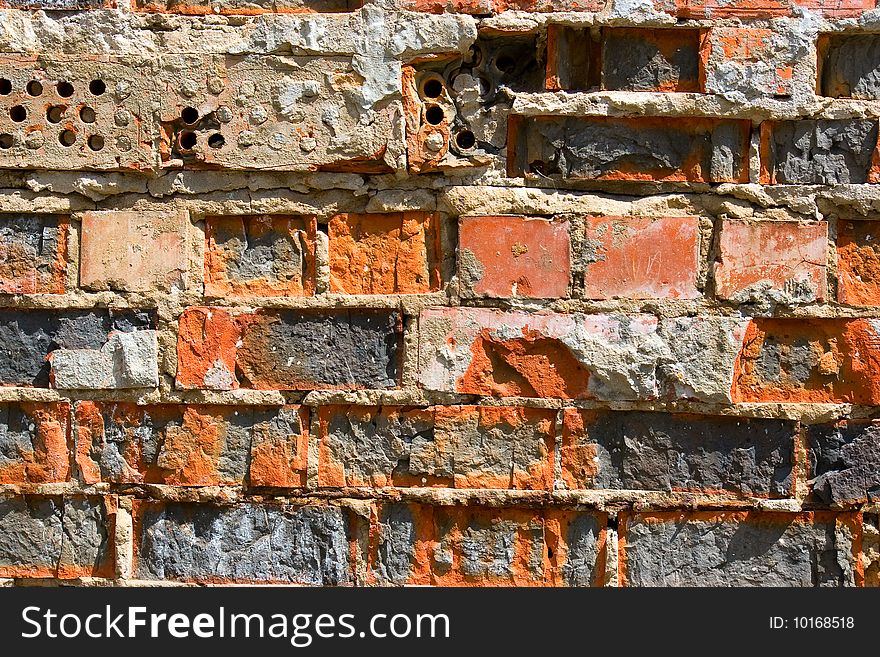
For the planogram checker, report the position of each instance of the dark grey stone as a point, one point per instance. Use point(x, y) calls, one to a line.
point(661, 451)
point(397, 539)
point(28, 336)
point(299, 350)
point(246, 542)
point(630, 62)
point(823, 152)
point(845, 461)
point(755, 551)
point(18, 434)
point(582, 540)
point(851, 66)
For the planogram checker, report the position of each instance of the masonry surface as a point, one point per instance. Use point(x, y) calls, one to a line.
point(444, 292)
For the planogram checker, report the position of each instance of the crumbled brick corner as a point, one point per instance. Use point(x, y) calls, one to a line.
point(452, 293)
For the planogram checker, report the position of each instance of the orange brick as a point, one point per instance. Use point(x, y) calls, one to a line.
point(33, 254)
point(506, 256)
point(785, 255)
point(34, 443)
point(383, 253)
point(858, 263)
point(642, 257)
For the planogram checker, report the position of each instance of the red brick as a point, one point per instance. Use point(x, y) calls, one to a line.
point(384, 253)
point(447, 446)
point(642, 257)
point(749, 50)
point(134, 251)
point(858, 263)
point(506, 256)
point(484, 7)
point(787, 255)
point(244, 7)
point(264, 256)
point(762, 8)
point(34, 441)
point(809, 360)
point(207, 342)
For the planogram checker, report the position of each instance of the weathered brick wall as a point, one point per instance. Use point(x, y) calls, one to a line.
point(452, 292)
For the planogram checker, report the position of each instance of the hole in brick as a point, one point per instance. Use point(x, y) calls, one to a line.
point(189, 115)
point(6, 141)
point(324, 228)
point(433, 88)
point(505, 63)
point(64, 89)
point(67, 138)
point(5, 87)
point(55, 113)
point(216, 140)
point(434, 115)
point(34, 88)
point(465, 140)
point(96, 142)
point(97, 87)
point(17, 113)
point(188, 140)
point(87, 114)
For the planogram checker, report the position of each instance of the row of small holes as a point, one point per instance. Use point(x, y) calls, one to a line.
point(54, 114)
point(65, 138)
point(64, 88)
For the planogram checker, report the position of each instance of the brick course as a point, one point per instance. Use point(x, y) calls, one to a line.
point(440, 292)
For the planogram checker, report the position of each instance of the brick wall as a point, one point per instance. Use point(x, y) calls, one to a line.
point(450, 292)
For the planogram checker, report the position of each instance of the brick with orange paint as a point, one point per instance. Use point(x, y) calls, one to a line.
point(134, 251)
point(33, 254)
point(191, 445)
point(461, 546)
point(65, 538)
point(638, 450)
point(447, 446)
point(719, 9)
point(809, 360)
point(641, 257)
point(510, 256)
point(741, 548)
point(244, 7)
point(270, 349)
point(34, 440)
point(260, 255)
point(776, 258)
point(647, 148)
point(858, 263)
point(394, 253)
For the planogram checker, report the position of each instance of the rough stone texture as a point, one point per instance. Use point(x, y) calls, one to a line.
point(858, 263)
point(456, 447)
point(641, 258)
point(742, 62)
point(782, 261)
point(487, 352)
point(288, 350)
point(55, 537)
point(126, 360)
point(651, 60)
point(672, 149)
point(849, 66)
point(822, 152)
point(739, 549)
point(34, 443)
point(660, 451)
point(844, 461)
point(30, 336)
point(190, 446)
point(260, 256)
point(134, 251)
point(246, 542)
point(383, 253)
point(514, 256)
point(33, 254)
